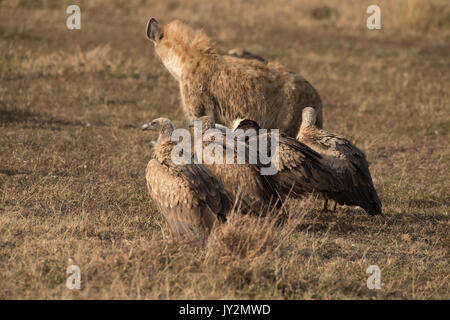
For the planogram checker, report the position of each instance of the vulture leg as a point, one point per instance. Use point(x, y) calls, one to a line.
point(334, 206)
point(325, 206)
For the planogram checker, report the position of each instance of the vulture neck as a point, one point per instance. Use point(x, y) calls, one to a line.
point(309, 117)
point(163, 149)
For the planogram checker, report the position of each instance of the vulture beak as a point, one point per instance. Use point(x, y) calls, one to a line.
point(149, 126)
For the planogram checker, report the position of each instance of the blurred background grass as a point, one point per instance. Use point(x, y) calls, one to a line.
point(72, 157)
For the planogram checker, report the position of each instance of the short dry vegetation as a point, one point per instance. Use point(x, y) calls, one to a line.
point(72, 160)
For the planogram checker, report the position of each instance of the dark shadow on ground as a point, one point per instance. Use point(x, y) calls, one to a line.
point(13, 172)
point(41, 120)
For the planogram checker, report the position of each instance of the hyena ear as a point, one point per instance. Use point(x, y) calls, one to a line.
point(154, 30)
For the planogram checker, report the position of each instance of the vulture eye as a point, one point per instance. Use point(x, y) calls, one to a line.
point(161, 36)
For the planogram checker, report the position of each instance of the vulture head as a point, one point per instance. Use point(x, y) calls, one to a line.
point(163, 126)
point(245, 124)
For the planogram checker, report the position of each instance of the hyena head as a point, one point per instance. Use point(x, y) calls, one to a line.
point(176, 43)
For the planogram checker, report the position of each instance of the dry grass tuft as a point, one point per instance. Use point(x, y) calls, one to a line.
point(72, 160)
point(247, 237)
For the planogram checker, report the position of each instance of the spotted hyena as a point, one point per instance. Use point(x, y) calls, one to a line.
point(229, 87)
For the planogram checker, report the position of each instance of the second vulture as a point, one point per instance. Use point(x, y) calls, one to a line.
point(307, 166)
point(347, 161)
point(190, 197)
point(250, 191)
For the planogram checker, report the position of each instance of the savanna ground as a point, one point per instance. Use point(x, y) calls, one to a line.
point(72, 161)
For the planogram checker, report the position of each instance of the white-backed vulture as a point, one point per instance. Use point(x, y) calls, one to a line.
point(347, 161)
point(301, 170)
point(250, 191)
point(190, 197)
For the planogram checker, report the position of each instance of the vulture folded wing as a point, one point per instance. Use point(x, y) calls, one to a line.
point(363, 191)
point(303, 167)
point(251, 191)
point(246, 187)
point(209, 189)
point(191, 204)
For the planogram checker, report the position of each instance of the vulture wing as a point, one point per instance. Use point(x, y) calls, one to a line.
point(351, 165)
point(190, 197)
point(357, 175)
point(251, 191)
point(302, 170)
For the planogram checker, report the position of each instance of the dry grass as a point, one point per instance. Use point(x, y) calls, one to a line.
point(423, 16)
point(72, 156)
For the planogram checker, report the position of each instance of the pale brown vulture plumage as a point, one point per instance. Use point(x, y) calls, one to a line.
point(189, 196)
point(250, 191)
point(347, 162)
point(301, 170)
